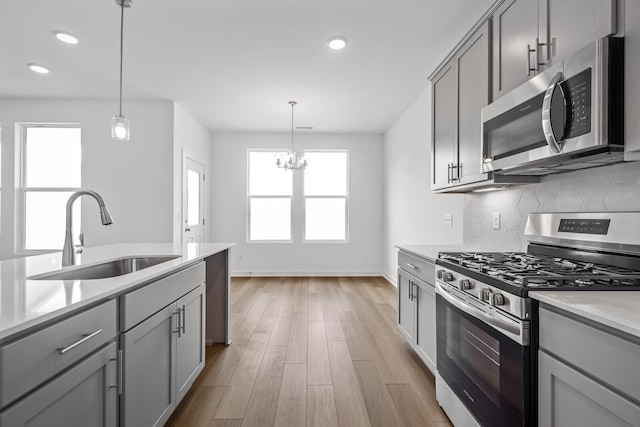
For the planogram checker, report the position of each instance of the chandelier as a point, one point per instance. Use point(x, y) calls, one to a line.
point(291, 160)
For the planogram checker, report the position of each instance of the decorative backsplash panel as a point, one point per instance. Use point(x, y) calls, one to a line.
point(606, 188)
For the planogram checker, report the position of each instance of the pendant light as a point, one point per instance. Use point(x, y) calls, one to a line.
point(292, 160)
point(119, 124)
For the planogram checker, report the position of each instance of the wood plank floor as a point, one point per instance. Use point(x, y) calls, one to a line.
point(321, 351)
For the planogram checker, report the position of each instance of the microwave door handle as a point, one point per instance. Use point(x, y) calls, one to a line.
point(552, 142)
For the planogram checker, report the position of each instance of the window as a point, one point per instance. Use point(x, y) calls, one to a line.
point(320, 200)
point(325, 196)
point(270, 195)
point(51, 172)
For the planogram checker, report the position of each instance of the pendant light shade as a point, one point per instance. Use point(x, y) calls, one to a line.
point(119, 124)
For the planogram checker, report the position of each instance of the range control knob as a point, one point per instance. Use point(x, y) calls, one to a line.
point(447, 277)
point(498, 299)
point(465, 284)
point(439, 274)
point(485, 294)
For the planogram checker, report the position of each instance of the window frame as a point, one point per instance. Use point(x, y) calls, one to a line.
point(345, 197)
point(275, 151)
point(21, 195)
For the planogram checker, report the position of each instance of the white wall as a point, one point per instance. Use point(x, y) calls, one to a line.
point(229, 207)
point(412, 213)
point(134, 177)
point(193, 140)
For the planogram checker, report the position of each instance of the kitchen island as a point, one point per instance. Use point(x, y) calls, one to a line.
point(80, 333)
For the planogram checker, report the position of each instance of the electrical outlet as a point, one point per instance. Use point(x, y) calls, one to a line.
point(495, 223)
point(447, 220)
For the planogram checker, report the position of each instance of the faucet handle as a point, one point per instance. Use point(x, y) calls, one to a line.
point(80, 247)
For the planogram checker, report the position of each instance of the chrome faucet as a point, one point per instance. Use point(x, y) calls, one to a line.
point(69, 250)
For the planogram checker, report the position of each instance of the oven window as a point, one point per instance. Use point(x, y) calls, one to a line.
point(477, 353)
point(488, 371)
point(516, 131)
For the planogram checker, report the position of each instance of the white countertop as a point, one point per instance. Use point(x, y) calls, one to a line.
point(616, 309)
point(26, 303)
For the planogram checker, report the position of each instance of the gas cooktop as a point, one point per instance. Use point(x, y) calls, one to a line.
point(524, 270)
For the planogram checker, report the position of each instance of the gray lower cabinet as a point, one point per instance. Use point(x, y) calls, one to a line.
point(191, 340)
point(588, 375)
point(85, 395)
point(161, 358)
point(406, 307)
point(417, 306)
point(569, 398)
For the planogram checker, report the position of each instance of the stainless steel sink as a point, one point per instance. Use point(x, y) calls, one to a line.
point(117, 267)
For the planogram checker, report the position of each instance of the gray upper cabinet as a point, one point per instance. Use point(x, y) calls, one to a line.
point(444, 116)
point(515, 52)
point(530, 34)
point(565, 25)
point(460, 90)
point(473, 94)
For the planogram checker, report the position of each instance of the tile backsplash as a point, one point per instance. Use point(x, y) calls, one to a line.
point(605, 188)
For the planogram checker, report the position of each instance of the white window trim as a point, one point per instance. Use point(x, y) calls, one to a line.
point(249, 197)
point(345, 197)
point(20, 197)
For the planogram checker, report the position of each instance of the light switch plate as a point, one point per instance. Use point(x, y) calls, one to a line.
point(495, 223)
point(447, 220)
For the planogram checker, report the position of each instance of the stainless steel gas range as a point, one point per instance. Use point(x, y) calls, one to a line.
point(487, 325)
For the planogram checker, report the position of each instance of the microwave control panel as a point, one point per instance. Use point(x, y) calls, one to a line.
point(577, 91)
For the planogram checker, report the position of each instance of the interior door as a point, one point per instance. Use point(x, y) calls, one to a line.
point(192, 201)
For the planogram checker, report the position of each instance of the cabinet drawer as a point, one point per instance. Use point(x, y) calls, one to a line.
point(28, 362)
point(141, 304)
point(607, 357)
point(419, 267)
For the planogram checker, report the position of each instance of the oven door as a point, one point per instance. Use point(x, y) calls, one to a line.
point(487, 369)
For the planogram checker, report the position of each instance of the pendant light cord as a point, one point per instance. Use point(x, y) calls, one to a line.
point(292, 105)
point(121, 49)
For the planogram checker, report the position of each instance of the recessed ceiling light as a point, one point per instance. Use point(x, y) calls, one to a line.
point(337, 43)
point(66, 37)
point(39, 68)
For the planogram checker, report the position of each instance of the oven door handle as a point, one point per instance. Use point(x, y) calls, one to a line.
point(478, 314)
point(547, 127)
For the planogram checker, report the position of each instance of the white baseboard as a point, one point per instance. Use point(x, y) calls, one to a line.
point(306, 273)
point(391, 279)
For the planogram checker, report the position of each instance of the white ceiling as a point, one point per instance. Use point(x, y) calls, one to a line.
point(234, 64)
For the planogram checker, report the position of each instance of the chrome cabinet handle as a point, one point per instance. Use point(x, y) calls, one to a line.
point(187, 229)
point(415, 291)
point(84, 338)
point(410, 291)
point(448, 173)
point(547, 129)
point(529, 52)
point(184, 320)
point(120, 370)
point(179, 328)
point(411, 266)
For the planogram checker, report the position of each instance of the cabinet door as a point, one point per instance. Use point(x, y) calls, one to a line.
point(426, 324)
point(149, 392)
point(568, 398)
point(570, 24)
point(472, 72)
point(515, 28)
point(406, 308)
point(190, 348)
point(86, 395)
point(444, 117)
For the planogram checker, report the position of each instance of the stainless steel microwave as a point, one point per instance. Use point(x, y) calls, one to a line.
point(570, 116)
